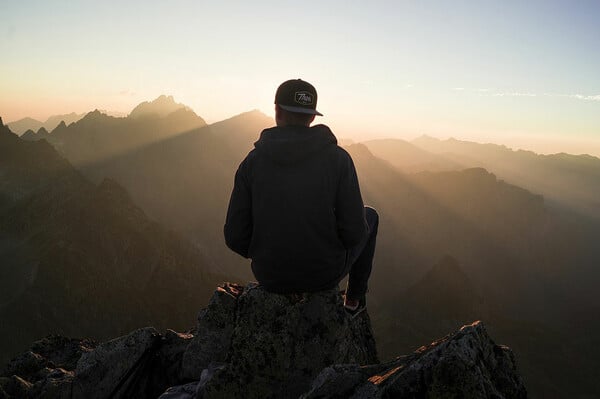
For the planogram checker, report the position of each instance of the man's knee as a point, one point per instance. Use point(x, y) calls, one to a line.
point(372, 218)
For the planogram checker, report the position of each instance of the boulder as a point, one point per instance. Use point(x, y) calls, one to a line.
point(466, 364)
point(142, 364)
point(280, 343)
point(212, 336)
point(99, 373)
point(46, 370)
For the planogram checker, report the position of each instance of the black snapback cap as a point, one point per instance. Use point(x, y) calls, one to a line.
point(296, 95)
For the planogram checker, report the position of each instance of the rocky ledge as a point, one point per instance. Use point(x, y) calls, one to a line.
point(253, 344)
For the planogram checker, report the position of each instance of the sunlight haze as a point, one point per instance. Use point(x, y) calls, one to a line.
point(520, 74)
point(140, 168)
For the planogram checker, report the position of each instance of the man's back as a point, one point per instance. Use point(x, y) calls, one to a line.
point(296, 209)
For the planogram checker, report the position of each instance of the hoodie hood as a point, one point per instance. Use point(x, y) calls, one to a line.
point(292, 144)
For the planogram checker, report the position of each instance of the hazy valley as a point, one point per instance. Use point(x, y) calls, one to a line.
point(111, 223)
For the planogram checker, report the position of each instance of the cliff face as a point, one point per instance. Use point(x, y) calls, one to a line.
point(253, 344)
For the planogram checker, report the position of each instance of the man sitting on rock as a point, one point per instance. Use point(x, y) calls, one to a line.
point(296, 208)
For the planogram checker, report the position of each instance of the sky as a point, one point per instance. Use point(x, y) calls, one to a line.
point(521, 73)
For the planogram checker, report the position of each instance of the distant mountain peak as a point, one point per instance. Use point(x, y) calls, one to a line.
point(22, 125)
point(4, 129)
point(161, 107)
point(61, 127)
point(165, 98)
point(94, 115)
point(42, 131)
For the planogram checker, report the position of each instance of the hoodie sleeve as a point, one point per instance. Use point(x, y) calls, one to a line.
point(238, 224)
point(349, 207)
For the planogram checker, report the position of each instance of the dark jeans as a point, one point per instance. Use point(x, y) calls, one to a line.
point(359, 260)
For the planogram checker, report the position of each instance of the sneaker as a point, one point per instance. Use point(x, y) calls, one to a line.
point(355, 307)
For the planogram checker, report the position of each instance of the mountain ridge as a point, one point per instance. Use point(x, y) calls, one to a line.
point(517, 250)
point(22, 125)
point(83, 259)
point(160, 107)
point(567, 180)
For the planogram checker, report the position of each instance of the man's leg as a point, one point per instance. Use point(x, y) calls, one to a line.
point(360, 259)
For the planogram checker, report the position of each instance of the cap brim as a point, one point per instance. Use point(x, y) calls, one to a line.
point(301, 110)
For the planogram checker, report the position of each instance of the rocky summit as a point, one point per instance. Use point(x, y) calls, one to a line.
point(280, 343)
point(465, 364)
point(253, 344)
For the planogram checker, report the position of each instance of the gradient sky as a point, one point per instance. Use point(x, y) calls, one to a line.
point(525, 74)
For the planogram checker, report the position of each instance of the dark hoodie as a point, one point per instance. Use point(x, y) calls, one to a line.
point(295, 209)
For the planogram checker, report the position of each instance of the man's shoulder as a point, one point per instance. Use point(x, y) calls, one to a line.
point(250, 156)
point(341, 154)
point(341, 151)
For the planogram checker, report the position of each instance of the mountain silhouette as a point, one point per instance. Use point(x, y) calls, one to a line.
point(185, 181)
point(98, 136)
point(82, 259)
point(569, 181)
point(469, 214)
point(177, 168)
point(30, 135)
point(410, 158)
point(22, 125)
point(160, 107)
point(516, 259)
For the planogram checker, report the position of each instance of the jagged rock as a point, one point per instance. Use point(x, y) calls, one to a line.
point(56, 385)
point(281, 342)
point(254, 344)
point(466, 364)
point(26, 365)
point(100, 373)
point(212, 337)
point(15, 386)
point(170, 358)
point(142, 364)
point(46, 370)
point(53, 351)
